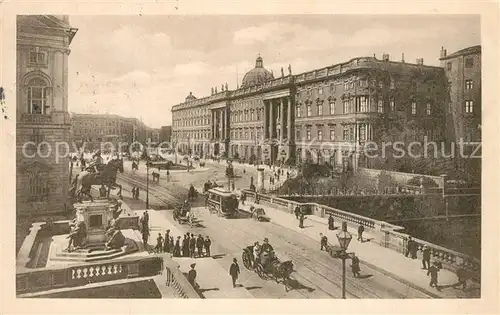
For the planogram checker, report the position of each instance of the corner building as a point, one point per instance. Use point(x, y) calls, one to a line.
point(42, 113)
point(325, 115)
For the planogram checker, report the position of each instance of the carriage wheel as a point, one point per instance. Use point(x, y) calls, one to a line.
point(260, 271)
point(246, 260)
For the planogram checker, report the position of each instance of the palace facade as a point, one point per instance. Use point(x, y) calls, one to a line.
point(326, 115)
point(42, 113)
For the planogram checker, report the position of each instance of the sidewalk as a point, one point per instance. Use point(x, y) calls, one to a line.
point(214, 281)
point(387, 261)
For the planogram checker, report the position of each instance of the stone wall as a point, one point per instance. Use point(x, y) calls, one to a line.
point(399, 177)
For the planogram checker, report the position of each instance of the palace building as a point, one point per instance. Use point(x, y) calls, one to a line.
point(42, 113)
point(325, 115)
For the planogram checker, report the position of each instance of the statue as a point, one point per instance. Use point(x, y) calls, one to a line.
point(289, 69)
point(212, 91)
point(222, 88)
point(77, 234)
point(226, 86)
point(116, 241)
point(282, 73)
point(272, 74)
point(215, 90)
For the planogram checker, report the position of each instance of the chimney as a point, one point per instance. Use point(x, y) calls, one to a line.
point(403, 57)
point(385, 57)
point(420, 61)
point(443, 52)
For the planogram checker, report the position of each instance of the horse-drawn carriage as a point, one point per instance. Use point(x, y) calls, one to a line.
point(184, 215)
point(267, 265)
point(258, 214)
point(222, 202)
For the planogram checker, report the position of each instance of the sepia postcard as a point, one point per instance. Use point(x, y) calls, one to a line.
point(193, 156)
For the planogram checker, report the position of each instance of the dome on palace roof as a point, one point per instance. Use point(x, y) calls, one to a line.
point(190, 97)
point(257, 75)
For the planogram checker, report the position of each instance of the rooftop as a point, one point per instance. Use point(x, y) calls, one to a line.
point(463, 52)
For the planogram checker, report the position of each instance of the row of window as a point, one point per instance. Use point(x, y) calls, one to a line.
point(469, 63)
point(246, 115)
point(348, 84)
point(348, 133)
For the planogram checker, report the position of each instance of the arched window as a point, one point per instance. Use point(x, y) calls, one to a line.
point(37, 97)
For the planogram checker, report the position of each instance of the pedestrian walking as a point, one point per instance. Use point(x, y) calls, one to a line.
point(412, 248)
point(331, 225)
point(145, 236)
point(146, 218)
point(199, 244)
point(168, 175)
point(361, 229)
point(159, 243)
point(301, 220)
point(207, 244)
point(192, 246)
point(323, 241)
point(462, 276)
point(137, 193)
point(426, 257)
point(177, 247)
point(234, 271)
point(133, 192)
point(192, 276)
point(433, 272)
point(355, 265)
point(166, 244)
point(297, 212)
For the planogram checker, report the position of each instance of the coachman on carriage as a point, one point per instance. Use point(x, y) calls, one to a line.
point(183, 214)
point(262, 259)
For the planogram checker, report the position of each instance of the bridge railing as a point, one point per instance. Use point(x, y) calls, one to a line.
point(176, 280)
point(389, 235)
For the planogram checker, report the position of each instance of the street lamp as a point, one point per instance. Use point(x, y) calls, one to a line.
point(148, 163)
point(344, 238)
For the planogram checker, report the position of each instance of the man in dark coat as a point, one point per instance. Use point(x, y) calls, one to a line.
point(177, 247)
point(361, 229)
point(199, 244)
point(185, 246)
point(323, 241)
point(192, 246)
point(301, 220)
point(145, 236)
point(234, 271)
point(207, 244)
point(433, 272)
point(355, 266)
point(297, 212)
point(412, 248)
point(159, 243)
point(192, 276)
point(166, 244)
point(331, 225)
point(426, 257)
point(462, 275)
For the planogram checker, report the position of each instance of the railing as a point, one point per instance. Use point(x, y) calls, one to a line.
point(390, 235)
point(33, 280)
point(177, 281)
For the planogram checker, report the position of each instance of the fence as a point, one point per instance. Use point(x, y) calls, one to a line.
point(389, 235)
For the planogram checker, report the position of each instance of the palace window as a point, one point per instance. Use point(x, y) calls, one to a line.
point(469, 63)
point(37, 58)
point(38, 186)
point(251, 115)
point(297, 110)
point(246, 134)
point(332, 108)
point(346, 85)
point(393, 85)
point(380, 106)
point(258, 135)
point(469, 106)
point(320, 109)
point(258, 114)
point(320, 135)
point(468, 85)
point(320, 91)
point(332, 134)
point(428, 109)
point(309, 112)
point(345, 134)
point(297, 134)
point(37, 97)
point(448, 65)
point(246, 115)
point(413, 108)
point(362, 102)
point(308, 134)
point(345, 103)
point(332, 87)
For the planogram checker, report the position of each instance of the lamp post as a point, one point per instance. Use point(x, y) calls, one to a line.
point(147, 183)
point(344, 238)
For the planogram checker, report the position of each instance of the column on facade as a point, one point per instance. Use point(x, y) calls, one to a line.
point(282, 118)
point(290, 112)
point(223, 124)
point(271, 119)
point(266, 120)
point(212, 126)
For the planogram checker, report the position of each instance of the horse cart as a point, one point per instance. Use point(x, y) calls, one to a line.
point(222, 202)
point(267, 265)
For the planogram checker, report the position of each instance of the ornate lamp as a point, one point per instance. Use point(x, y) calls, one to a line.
point(344, 238)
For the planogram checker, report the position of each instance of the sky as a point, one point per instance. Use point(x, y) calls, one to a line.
point(141, 66)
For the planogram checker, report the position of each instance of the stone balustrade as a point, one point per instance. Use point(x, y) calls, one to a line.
point(387, 235)
point(177, 281)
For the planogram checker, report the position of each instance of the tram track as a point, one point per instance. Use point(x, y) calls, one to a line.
point(296, 251)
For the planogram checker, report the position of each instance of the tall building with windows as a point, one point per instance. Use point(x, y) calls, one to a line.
point(42, 113)
point(463, 71)
point(325, 115)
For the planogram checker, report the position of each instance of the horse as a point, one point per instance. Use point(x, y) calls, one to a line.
point(277, 269)
point(83, 181)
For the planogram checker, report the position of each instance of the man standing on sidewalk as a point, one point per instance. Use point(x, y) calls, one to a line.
point(355, 266)
point(192, 246)
point(462, 275)
point(412, 248)
point(361, 229)
point(331, 225)
point(234, 271)
point(433, 272)
point(301, 220)
point(426, 257)
point(192, 276)
point(297, 212)
point(199, 243)
point(207, 244)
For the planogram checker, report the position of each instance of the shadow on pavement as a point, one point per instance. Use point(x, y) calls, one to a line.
point(218, 256)
point(296, 285)
point(253, 288)
point(365, 276)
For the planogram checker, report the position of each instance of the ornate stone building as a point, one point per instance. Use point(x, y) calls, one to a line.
point(325, 115)
point(42, 113)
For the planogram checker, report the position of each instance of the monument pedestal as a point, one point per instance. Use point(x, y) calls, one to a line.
point(96, 216)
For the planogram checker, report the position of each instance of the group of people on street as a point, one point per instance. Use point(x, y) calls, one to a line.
point(299, 215)
point(135, 192)
point(189, 246)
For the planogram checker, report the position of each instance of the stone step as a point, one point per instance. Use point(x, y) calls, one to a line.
point(90, 259)
point(100, 253)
